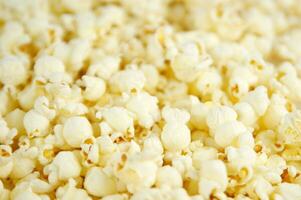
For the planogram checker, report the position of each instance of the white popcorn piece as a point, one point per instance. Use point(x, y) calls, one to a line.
point(258, 95)
point(111, 15)
point(95, 88)
point(137, 174)
point(240, 158)
point(76, 53)
point(105, 128)
point(151, 75)
point(38, 185)
point(98, 183)
point(208, 81)
point(64, 166)
point(218, 115)
point(106, 144)
point(246, 113)
point(46, 154)
point(85, 25)
point(128, 80)
point(24, 191)
point(175, 137)
point(174, 115)
point(198, 113)
point(35, 124)
point(76, 5)
point(76, 130)
point(4, 193)
point(189, 62)
point(6, 135)
point(42, 107)
point(8, 103)
point(289, 191)
point(238, 87)
point(275, 112)
point(116, 197)
point(22, 166)
point(154, 100)
point(168, 177)
point(13, 36)
point(12, 71)
point(145, 107)
point(69, 191)
point(104, 67)
point(48, 66)
point(6, 161)
point(226, 133)
point(213, 176)
point(203, 154)
point(90, 151)
point(27, 97)
point(118, 118)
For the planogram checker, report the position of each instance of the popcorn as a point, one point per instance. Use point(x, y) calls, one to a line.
point(104, 67)
point(152, 76)
point(136, 173)
point(213, 177)
point(208, 81)
point(65, 165)
point(27, 97)
point(219, 115)
point(246, 113)
point(22, 166)
point(258, 95)
point(168, 177)
point(158, 100)
point(95, 88)
point(128, 80)
point(289, 128)
point(98, 183)
point(189, 62)
point(12, 37)
point(35, 124)
point(6, 135)
point(105, 144)
point(24, 191)
point(175, 135)
point(198, 112)
point(289, 191)
point(6, 161)
point(275, 112)
point(90, 151)
point(203, 154)
point(75, 5)
point(116, 197)
point(12, 71)
point(69, 191)
point(4, 193)
point(227, 132)
point(8, 103)
point(76, 130)
point(85, 25)
point(42, 107)
point(145, 107)
point(118, 118)
point(48, 66)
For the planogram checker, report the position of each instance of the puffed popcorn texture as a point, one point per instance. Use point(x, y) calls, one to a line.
point(150, 100)
point(98, 183)
point(76, 130)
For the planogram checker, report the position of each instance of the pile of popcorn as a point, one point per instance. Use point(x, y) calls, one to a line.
point(150, 99)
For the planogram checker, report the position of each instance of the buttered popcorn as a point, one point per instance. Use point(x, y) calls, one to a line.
point(150, 100)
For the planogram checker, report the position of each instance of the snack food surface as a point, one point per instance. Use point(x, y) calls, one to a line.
point(150, 99)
